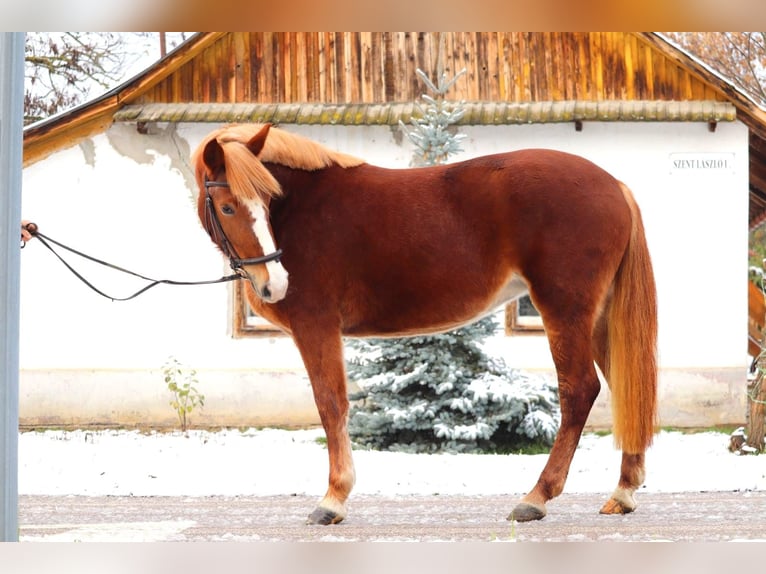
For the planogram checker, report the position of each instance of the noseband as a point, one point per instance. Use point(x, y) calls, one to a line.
point(214, 224)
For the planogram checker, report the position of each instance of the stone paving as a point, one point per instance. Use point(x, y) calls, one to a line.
point(690, 516)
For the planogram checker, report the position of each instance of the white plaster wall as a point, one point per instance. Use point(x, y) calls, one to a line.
point(127, 198)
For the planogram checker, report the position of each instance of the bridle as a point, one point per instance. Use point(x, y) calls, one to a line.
point(214, 225)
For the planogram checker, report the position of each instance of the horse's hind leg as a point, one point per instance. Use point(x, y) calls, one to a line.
point(631, 478)
point(632, 472)
point(322, 354)
point(578, 388)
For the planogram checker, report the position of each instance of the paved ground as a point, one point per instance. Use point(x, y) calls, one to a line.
point(711, 516)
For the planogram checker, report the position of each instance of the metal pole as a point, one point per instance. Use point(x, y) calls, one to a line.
point(11, 143)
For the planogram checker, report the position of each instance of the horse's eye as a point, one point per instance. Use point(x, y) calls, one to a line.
point(227, 210)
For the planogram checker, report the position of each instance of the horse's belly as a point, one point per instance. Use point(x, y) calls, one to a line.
point(432, 317)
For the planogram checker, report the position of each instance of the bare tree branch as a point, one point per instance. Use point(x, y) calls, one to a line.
point(62, 69)
point(66, 68)
point(738, 56)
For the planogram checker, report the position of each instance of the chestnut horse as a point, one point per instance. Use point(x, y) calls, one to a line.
point(332, 246)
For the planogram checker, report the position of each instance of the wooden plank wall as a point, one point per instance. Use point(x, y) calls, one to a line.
point(342, 67)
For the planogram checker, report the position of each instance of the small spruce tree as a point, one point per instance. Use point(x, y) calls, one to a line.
point(430, 133)
point(442, 392)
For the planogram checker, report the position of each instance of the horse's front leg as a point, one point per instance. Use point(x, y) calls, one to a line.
point(322, 352)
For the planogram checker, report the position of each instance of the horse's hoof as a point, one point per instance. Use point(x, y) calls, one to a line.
point(323, 516)
point(614, 506)
point(525, 512)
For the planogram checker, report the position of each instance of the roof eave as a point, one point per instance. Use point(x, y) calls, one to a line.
point(475, 113)
point(748, 110)
point(78, 123)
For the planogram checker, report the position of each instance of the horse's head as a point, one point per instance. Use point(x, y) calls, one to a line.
point(233, 206)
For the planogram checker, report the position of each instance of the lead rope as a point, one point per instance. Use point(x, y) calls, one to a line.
point(46, 241)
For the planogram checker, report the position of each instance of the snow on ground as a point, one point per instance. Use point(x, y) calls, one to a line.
point(272, 462)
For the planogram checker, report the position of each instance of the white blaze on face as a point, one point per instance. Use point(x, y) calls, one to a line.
point(277, 273)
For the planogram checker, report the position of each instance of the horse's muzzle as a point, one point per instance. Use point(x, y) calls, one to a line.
point(270, 291)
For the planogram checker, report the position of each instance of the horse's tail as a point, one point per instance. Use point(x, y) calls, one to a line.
point(632, 346)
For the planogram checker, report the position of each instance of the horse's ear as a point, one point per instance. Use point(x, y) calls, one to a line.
point(213, 155)
point(255, 145)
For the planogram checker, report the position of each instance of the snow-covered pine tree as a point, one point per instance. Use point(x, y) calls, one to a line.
point(442, 392)
point(430, 132)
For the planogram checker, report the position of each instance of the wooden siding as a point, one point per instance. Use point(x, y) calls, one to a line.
point(377, 67)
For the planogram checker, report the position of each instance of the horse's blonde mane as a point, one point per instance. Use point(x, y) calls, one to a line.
point(247, 176)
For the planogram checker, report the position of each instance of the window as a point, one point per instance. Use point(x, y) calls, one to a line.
point(245, 323)
point(521, 318)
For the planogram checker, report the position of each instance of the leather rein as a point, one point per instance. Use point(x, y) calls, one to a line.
point(214, 225)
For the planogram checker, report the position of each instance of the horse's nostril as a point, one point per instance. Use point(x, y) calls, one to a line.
point(266, 293)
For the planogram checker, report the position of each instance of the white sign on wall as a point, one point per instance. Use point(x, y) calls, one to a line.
point(696, 163)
